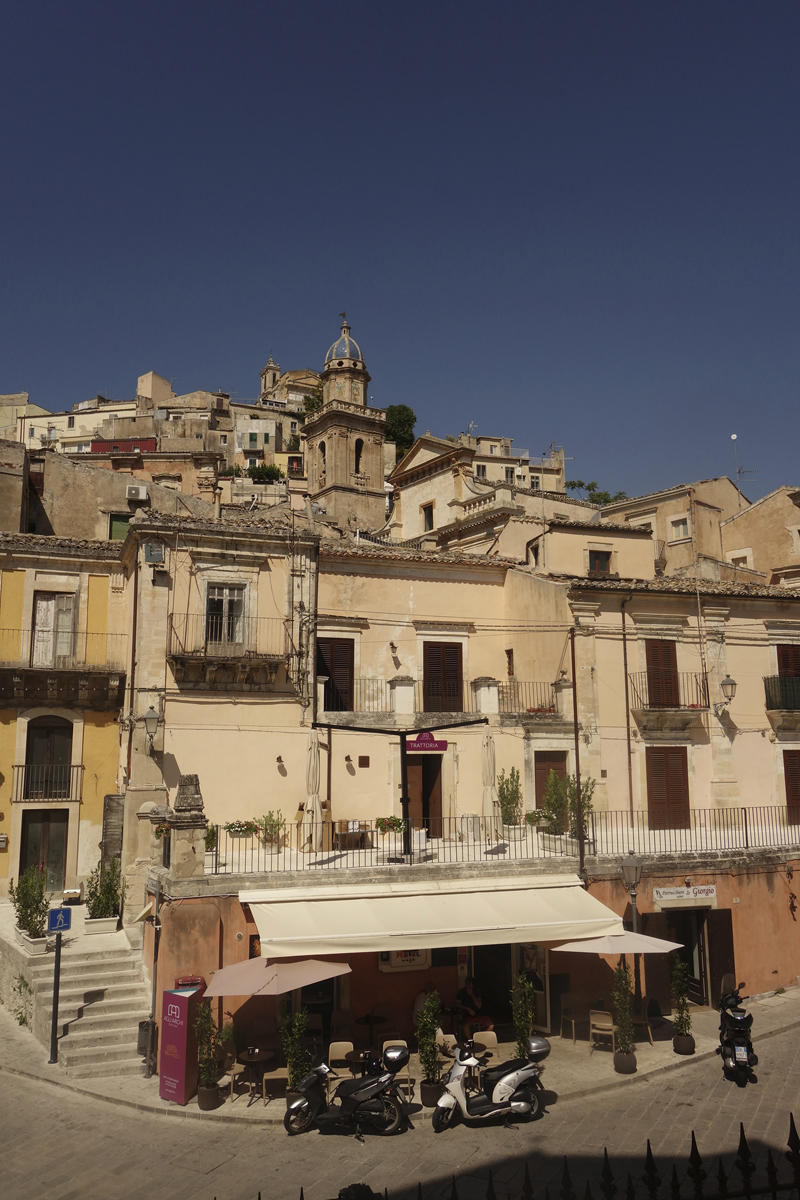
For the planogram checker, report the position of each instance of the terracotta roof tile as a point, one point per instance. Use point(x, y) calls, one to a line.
point(679, 586)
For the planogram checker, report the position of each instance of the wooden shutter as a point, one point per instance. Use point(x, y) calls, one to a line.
point(719, 943)
point(442, 679)
point(662, 673)
point(667, 787)
point(335, 659)
point(789, 660)
point(544, 762)
point(791, 772)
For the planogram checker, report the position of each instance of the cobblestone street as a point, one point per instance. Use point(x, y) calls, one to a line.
point(59, 1145)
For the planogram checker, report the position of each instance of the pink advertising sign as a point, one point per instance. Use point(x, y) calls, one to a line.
point(177, 1060)
point(424, 741)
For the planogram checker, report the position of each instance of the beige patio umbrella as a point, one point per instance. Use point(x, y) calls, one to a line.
point(258, 977)
point(311, 827)
point(620, 943)
point(488, 772)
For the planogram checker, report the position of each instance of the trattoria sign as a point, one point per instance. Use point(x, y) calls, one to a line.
point(700, 891)
point(424, 741)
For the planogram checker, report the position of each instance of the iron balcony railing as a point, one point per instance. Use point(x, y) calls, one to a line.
point(443, 696)
point(62, 650)
point(662, 687)
point(226, 637)
point(472, 837)
point(782, 691)
point(366, 695)
point(526, 696)
point(46, 782)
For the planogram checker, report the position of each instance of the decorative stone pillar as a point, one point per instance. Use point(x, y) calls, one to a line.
point(160, 814)
point(401, 688)
point(189, 824)
point(486, 692)
point(563, 690)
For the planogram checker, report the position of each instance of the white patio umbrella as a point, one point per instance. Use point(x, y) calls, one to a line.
point(488, 772)
point(620, 943)
point(311, 826)
point(258, 977)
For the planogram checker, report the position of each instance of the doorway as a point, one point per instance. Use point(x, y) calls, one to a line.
point(48, 756)
point(492, 967)
point(44, 844)
point(688, 926)
point(425, 792)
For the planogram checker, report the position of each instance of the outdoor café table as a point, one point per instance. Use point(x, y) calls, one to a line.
point(358, 1058)
point(257, 1061)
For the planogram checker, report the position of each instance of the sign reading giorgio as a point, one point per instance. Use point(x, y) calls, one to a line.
point(177, 1060)
point(424, 741)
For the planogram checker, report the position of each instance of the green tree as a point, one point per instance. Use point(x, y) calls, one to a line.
point(293, 1041)
point(205, 1028)
point(559, 805)
point(682, 1018)
point(314, 400)
point(523, 1011)
point(400, 422)
point(622, 1008)
point(265, 473)
point(30, 901)
point(592, 492)
point(509, 793)
point(426, 1037)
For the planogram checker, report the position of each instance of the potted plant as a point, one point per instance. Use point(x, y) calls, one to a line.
point(241, 829)
point(105, 892)
point(430, 1088)
point(558, 812)
point(271, 828)
point(298, 1058)
point(509, 793)
point(205, 1028)
point(31, 907)
point(682, 1040)
point(391, 831)
point(625, 1057)
point(523, 1011)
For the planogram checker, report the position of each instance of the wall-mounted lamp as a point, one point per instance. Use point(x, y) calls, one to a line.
point(150, 727)
point(279, 761)
point(728, 689)
point(347, 758)
point(687, 881)
point(393, 647)
point(631, 874)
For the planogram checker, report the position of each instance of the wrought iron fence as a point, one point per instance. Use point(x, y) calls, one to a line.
point(661, 687)
point(368, 695)
point(444, 696)
point(473, 837)
point(47, 781)
point(526, 696)
point(62, 650)
point(782, 691)
point(226, 636)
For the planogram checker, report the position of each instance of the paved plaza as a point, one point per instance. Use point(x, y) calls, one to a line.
point(61, 1144)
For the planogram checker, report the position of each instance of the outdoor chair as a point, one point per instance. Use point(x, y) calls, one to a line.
point(601, 1024)
point(642, 1018)
point(571, 1013)
point(336, 1058)
point(445, 1043)
point(234, 1070)
point(409, 1085)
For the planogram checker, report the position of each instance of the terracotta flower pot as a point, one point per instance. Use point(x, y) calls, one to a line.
point(429, 1093)
point(207, 1098)
point(625, 1064)
point(683, 1043)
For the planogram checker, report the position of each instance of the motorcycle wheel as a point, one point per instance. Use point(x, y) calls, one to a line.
point(298, 1120)
point(533, 1100)
point(390, 1118)
point(444, 1118)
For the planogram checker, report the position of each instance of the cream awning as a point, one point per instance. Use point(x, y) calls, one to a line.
point(358, 918)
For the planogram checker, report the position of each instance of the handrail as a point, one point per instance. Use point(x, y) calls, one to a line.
point(62, 650)
point(782, 692)
point(46, 782)
point(214, 636)
point(661, 687)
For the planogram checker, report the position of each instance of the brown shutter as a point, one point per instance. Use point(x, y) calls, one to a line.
point(791, 772)
point(662, 673)
point(544, 762)
point(667, 787)
point(789, 660)
point(335, 658)
point(442, 682)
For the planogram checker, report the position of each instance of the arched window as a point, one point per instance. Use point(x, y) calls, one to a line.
point(322, 458)
point(359, 454)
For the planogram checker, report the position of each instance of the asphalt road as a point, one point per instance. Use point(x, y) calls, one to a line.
point(57, 1145)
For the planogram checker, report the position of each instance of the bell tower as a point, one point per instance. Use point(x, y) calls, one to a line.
point(344, 441)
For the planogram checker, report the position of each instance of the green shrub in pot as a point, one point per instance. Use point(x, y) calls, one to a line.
point(30, 902)
point(298, 1057)
point(105, 891)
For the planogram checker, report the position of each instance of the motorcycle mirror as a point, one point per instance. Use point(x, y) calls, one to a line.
point(739, 987)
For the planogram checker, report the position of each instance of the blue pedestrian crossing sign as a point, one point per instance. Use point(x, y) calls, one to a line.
point(59, 920)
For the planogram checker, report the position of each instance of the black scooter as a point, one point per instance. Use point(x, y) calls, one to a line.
point(735, 1044)
point(372, 1100)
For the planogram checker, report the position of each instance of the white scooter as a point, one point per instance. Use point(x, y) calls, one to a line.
point(507, 1090)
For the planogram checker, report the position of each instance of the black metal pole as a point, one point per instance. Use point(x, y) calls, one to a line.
point(404, 800)
point(578, 801)
point(56, 985)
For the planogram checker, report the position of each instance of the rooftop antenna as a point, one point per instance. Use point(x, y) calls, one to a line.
point(471, 428)
point(740, 471)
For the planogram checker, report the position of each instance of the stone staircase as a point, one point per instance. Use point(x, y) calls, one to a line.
point(102, 999)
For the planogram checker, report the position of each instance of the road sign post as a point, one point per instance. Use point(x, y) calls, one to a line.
point(59, 920)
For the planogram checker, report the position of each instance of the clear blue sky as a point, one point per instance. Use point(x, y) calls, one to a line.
point(569, 222)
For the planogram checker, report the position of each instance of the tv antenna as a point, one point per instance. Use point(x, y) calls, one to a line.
point(471, 428)
point(740, 471)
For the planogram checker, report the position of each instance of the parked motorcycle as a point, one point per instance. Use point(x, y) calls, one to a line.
point(506, 1090)
point(371, 1100)
point(736, 1046)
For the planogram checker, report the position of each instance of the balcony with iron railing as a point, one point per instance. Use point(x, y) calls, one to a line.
point(46, 782)
point(62, 650)
point(662, 688)
point(782, 692)
point(526, 696)
point(229, 638)
point(366, 696)
point(376, 695)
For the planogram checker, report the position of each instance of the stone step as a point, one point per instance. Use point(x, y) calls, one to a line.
point(105, 1070)
point(110, 1053)
point(92, 970)
point(113, 1020)
point(87, 979)
point(87, 995)
point(81, 958)
point(79, 1039)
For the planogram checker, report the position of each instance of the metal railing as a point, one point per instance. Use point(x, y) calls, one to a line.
point(46, 782)
point(226, 637)
point(526, 696)
point(782, 691)
point(471, 837)
point(444, 697)
point(62, 650)
point(662, 687)
point(368, 696)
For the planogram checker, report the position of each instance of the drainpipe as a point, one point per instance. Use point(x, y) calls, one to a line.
point(578, 800)
point(131, 715)
point(627, 705)
point(150, 1068)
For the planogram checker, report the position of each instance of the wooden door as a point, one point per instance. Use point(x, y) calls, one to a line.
point(415, 769)
point(791, 774)
point(719, 939)
point(48, 756)
point(432, 794)
point(667, 787)
point(44, 844)
point(544, 762)
point(335, 661)
point(662, 673)
point(442, 678)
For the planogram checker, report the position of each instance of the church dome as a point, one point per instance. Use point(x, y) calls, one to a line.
point(345, 347)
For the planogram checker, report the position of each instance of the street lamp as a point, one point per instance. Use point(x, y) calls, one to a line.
point(631, 874)
point(728, 689)
point(150, 727)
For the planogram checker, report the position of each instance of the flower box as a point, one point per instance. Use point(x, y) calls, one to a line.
point(30, 945)
point(94, 925)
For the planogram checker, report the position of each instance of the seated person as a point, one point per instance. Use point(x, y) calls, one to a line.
point(471, 1005)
